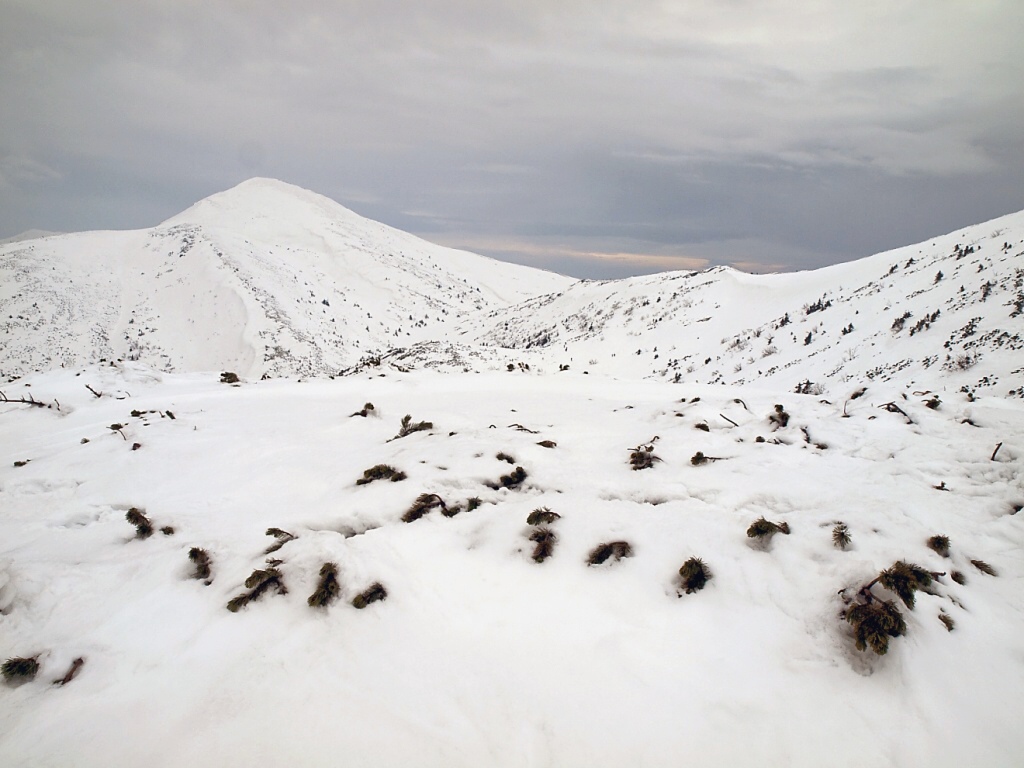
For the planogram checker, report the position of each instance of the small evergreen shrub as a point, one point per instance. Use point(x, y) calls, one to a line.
point(780, 418)
point(372, 594)
point(167, 530)
point(511, 481)
point(703, 426)
point(958, 577)
point(201, 559)
point(642, 457)
point(381, 472)
point(612, 550)
point(327, 588)
point(542, 516)
point(694, 575)
point(143, 525)
point(473, 503)
point(904, 579)
point(20, 670)
point(259, 581)
point(544, 540)
point(841, 536)
point(984, 567)
point(408, 427)
point(366, 410)
point(763, 529)
point(423, 504)
point(283, 537)
point(947, 621)
point(939, 545)
point(547, 444)
point(228, 378)
point(502, 456)
point(874, 623)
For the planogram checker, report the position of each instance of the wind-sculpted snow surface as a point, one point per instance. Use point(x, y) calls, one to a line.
point(274, 609)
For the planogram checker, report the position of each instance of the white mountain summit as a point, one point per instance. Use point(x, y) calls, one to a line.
point(270, 279)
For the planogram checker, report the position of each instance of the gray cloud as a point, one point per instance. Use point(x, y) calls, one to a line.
point(792, 134)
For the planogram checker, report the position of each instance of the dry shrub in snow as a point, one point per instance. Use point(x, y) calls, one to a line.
point(260, 581)
point(283, 537)
point(841, 536)
point(327, 588)
point(381, 472)
point(763, 529)
point(694, 575)
point(407, 426)
point(143, 525)
point(542, 516)
point(372, 594)
point(544, 540)
point(642, 457)
point(202, 561)
point(874, 623)
point(612, 550)
point(904, 579)
point(20, 670)
point(423, 504)
point(984, 567)
point(958, 577)
point(939, 545)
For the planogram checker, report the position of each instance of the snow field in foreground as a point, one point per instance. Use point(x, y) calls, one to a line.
point(479, 655)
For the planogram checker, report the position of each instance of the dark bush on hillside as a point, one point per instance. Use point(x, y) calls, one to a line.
point(939, 545)
point(764, 529)
point(642, 457)
point(612, 550)
point(874, 623)
point(283, 537)
point(201, 559)
point(423, 504)
point(542, 516)
point(694, 575)
point(381, 472)
point(372, 594)
point(905, 579)
point(544, 540)
point(408, 426)
point(20, 670)
point(780, 418)
point(143, 525)
point(984, 567)
point(327, 589)
point(259, 582)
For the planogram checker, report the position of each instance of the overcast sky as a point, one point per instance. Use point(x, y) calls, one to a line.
point(594, 137)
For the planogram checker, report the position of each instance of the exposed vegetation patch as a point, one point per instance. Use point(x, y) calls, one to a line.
point(259, 582)
point(372, 594)
point(327, 589)
point(694, 575)
point(381, 472)
point(612, 550)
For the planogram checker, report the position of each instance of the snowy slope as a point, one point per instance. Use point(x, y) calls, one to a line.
point(948, 313)
point(479, 655)
point(264, 278)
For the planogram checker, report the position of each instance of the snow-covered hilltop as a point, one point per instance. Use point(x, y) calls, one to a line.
point(268, 278)
point(264, 278)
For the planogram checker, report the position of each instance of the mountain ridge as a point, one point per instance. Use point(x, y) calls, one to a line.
point(268, 279)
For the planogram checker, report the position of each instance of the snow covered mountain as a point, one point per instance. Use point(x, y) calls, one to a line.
point(688, 518)
point(268, 278)
point(264, 278)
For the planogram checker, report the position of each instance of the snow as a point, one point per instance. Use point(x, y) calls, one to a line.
point(480, 655)
point(113, 348)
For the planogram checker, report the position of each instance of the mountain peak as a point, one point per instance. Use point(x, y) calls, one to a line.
point(263, 199)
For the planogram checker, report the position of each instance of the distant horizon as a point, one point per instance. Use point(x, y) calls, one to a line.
point(562, 259)
point(600, 139)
